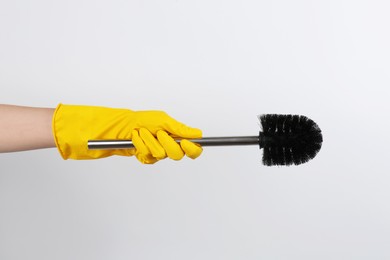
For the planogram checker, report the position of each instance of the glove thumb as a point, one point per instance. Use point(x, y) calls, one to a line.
point(181, 130)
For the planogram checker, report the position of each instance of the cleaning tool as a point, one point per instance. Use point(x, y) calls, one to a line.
point(285, 140)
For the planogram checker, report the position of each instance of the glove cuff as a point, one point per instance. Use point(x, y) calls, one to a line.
point(74, 125)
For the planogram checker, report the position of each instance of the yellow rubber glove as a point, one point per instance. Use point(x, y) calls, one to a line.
point(151, 132)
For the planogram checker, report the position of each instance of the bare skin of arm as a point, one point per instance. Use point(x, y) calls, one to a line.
point(25, 128)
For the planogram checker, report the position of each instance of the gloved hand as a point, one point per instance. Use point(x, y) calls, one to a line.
point(151, 132)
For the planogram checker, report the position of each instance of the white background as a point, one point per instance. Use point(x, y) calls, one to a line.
point(215, 65)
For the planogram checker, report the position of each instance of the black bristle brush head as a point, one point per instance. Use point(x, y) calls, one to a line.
point(288, 139)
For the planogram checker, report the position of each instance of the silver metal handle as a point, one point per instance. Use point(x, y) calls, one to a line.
point(205, 141)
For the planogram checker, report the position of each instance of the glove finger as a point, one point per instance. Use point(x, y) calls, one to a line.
point(191, 149)
point(139, 143)
point(146, 159)
point(151, 142)
point(172, 148)
point(142, 151)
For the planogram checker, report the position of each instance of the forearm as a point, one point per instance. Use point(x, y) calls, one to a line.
point(25, 128)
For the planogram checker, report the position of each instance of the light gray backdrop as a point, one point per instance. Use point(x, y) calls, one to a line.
point(215, 65)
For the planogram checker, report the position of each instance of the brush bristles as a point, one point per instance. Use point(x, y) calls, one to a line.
point(289, 139)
